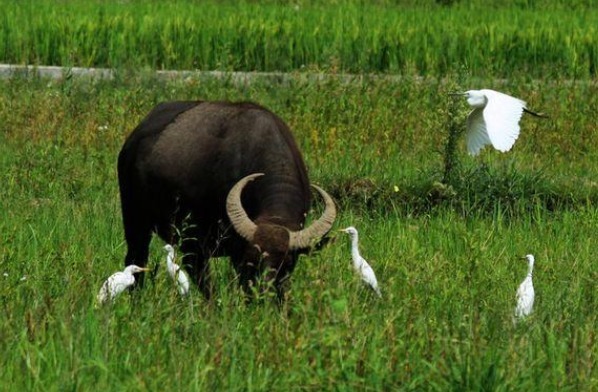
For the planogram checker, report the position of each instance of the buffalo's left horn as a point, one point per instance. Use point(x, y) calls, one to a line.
point(237, 215)
point(305, 238)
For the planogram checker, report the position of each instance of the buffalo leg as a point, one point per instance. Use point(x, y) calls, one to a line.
point(257, 279)
point(138, 235)
point(248, 274)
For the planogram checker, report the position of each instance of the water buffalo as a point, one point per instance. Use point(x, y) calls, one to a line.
point(192, 172)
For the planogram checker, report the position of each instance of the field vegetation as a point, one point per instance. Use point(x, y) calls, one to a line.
point(534, 38)
point(445, 244)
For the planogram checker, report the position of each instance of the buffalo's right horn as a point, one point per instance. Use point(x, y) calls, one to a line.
point(305, 238)
point(237, 215)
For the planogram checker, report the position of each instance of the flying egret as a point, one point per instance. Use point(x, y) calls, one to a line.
point(361, 266)
point(525, 292)
point(118, 282)
point(176, 273)
point(494, 119)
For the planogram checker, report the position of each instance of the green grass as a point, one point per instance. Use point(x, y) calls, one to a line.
point(446, 258)
point(534, 39)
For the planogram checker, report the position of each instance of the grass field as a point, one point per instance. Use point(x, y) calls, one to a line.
point(446, 260)
point(532, 38)
point(445, 245)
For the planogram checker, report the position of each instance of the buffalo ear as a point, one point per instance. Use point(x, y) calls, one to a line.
point(322, 243)
point(302, 251)
point(318, 246)
point(306, 237)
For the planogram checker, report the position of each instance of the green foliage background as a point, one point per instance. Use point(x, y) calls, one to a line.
point(428, 38)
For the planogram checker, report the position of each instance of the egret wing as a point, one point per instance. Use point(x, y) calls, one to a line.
point(104, 294)
point(524, 306)
point(369, 277)
point(525, 299)
point(178, 275)
point(501, 115)
point(119, 282)
point(114, 285)
point(172, 269)
point(477, 135)
point(182, 282)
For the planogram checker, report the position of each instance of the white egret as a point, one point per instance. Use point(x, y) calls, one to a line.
point(361, 266)
point(176, 273)
point(494, 119)
point(118, 282)
point(525, 292)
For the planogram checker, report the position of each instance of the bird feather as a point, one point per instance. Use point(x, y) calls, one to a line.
point(501, 116)
point(477, 136)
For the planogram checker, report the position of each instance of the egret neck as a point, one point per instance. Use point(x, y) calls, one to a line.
point(530, 267)
point(355, 249)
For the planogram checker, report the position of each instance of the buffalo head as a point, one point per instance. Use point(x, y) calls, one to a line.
point(272, 248)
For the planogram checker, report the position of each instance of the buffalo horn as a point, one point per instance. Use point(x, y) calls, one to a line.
point(237, 215)
point(305, 238)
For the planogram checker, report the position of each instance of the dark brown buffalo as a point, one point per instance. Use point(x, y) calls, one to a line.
point(190, 172)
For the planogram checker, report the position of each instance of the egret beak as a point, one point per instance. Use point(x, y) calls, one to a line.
point(457, 94)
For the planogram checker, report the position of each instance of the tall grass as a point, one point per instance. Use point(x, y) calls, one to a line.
point(348, 36)
point(446, 261)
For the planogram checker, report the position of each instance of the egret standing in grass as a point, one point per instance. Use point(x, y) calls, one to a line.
point(118, 282)
point(525, 292)
point(361, 266)
point(494, 119)
point(176, 273)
